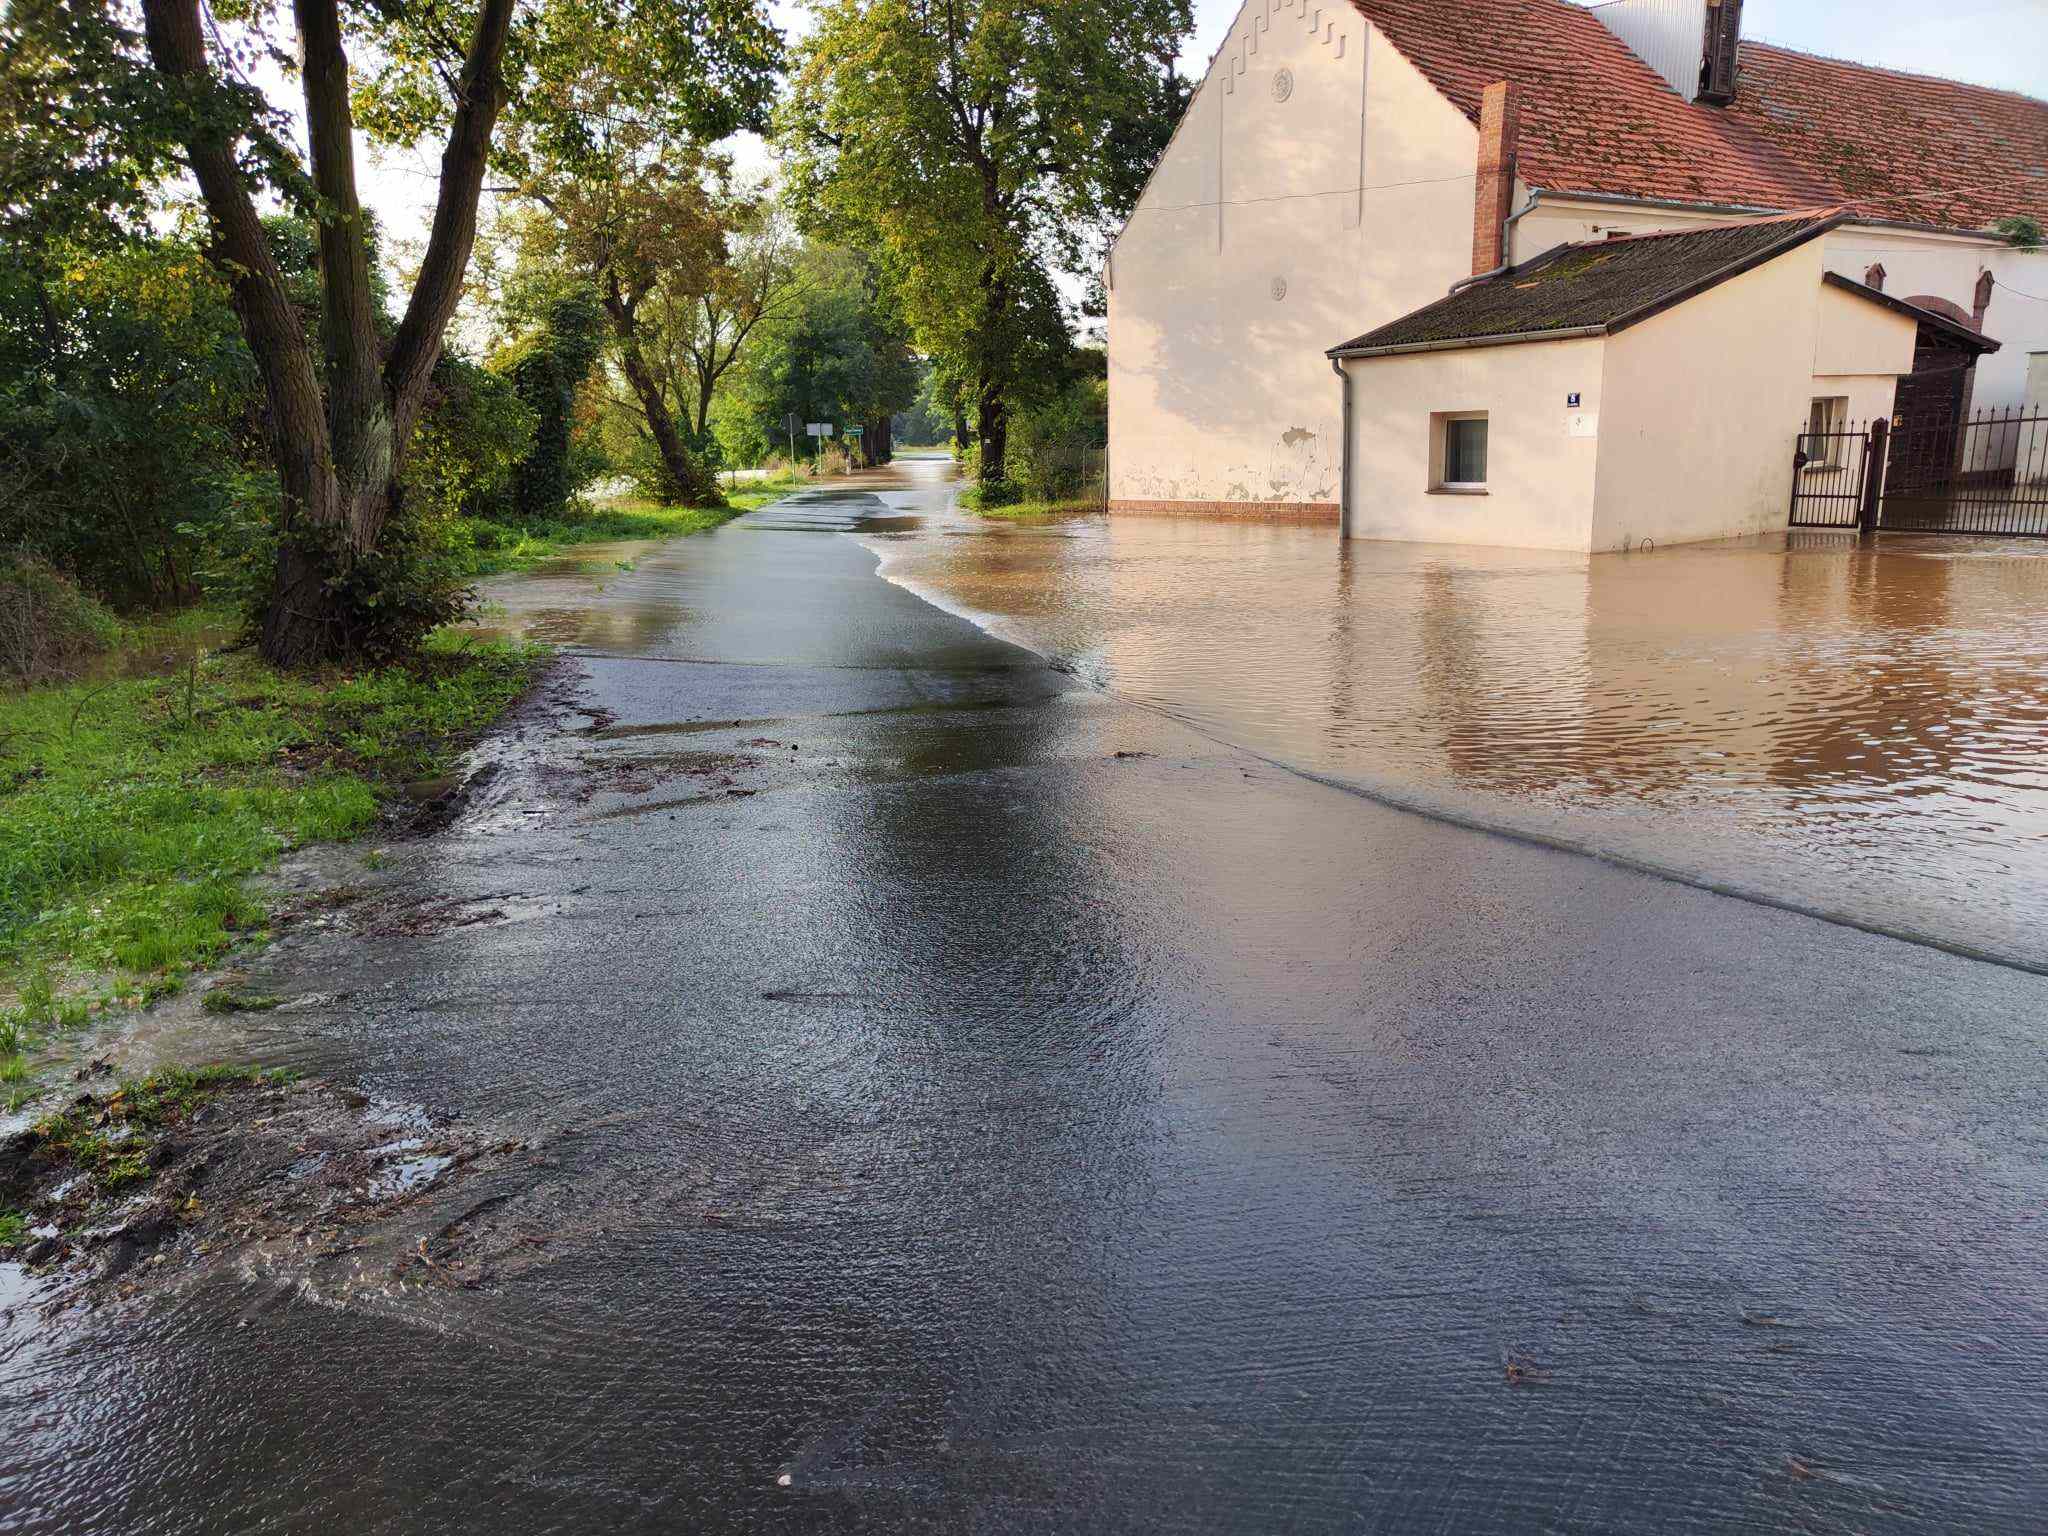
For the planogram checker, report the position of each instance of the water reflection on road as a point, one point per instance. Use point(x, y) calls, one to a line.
point(1833, 725)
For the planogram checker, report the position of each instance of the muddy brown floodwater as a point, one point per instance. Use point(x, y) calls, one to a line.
point(1851, 729)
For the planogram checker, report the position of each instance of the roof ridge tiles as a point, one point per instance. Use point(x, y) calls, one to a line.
point(1803, 129)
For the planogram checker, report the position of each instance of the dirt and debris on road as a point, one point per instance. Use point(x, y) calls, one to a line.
point(138, 1186)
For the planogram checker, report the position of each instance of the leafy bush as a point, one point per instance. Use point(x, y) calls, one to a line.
point(996, 493)
point(47, 625)
point(547, 370)
point(466, 455)
point(486, 534)
point(130, 425)
point(633, 451)
point(2022, 230)
point(1053, 447)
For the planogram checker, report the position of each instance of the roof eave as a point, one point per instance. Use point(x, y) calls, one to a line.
point(1461, 343)
point(1942, 323)
point(1680, 205)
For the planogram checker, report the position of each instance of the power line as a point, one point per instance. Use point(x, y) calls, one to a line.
point(2021, 293)
point(1290, 197)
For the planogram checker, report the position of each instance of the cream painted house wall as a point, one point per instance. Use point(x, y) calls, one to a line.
point(1859, 351)
point(1540, 477)
point(1281, 219)
point(1680, 430)
point(1855, 335)
point(1703, 403)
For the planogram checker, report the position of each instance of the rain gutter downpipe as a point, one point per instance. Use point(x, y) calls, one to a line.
point(1507, 243)
point(1343, 457)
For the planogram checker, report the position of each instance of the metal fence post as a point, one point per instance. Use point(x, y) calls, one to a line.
point(1873, 476)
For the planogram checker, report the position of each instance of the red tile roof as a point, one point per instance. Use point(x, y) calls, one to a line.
point(1900, 146)
point(1802, 130)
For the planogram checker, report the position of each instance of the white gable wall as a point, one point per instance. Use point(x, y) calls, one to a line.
point(1351, 197)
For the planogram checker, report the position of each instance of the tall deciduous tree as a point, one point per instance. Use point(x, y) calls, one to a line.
point(632, 202)
point(341, 418)
point(975, 143)
point(634, 216)
point(343, 406)
point(837, 353)
point(760, 281)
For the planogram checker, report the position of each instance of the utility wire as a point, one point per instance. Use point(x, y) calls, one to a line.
point(2020, 293)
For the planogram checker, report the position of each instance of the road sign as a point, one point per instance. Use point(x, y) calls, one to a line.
point(855, 431)
point(818, 429)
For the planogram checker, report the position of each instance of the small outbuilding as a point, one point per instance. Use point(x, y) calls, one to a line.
point(1644, 387)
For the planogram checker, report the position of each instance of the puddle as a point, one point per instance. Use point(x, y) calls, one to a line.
point(406, 1174)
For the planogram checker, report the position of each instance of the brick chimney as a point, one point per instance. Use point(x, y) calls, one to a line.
point(1493, 194)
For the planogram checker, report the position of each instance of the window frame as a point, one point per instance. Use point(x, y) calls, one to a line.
point(1834, 411)
point(1439, 453)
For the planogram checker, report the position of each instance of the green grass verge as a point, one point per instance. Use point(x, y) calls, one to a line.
point(971, 499)
point(503, 548)
point(133, 807)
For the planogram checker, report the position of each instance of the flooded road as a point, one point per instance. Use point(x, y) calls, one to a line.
point(1854, 730)
point(957, 1099)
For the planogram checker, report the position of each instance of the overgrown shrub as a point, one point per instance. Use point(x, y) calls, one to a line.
point(47, 624)
point(547, 370)
point(130, 430)
point(1053, 447)
point(996, 493)
point(466, 454)
point(633, 452)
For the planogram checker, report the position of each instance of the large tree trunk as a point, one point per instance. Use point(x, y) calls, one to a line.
point(992, 427)
point(707, 385)
point(339, 453)
point(686, 482)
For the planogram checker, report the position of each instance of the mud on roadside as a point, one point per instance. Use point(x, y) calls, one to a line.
point(137, 1187)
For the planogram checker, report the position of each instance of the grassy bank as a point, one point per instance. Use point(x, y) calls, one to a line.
point(134, 805)
point(499, 547)
point(971, 499)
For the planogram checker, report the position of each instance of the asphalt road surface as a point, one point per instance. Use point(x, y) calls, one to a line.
point(968, 1102)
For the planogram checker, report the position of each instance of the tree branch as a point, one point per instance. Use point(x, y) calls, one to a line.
point(356, 418)
point(298, 424)
point(417, 346)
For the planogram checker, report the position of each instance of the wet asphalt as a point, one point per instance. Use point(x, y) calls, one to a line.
point(1020, 1112)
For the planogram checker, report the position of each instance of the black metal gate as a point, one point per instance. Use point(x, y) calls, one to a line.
point(1830, 476)
point(1986, 473)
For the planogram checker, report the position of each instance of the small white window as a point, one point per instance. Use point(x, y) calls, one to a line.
point(1458, 451)
point(1827, 419)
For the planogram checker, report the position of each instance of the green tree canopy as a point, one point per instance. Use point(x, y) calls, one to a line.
point(974, 145)
point(840, 353)
point(115, 104)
